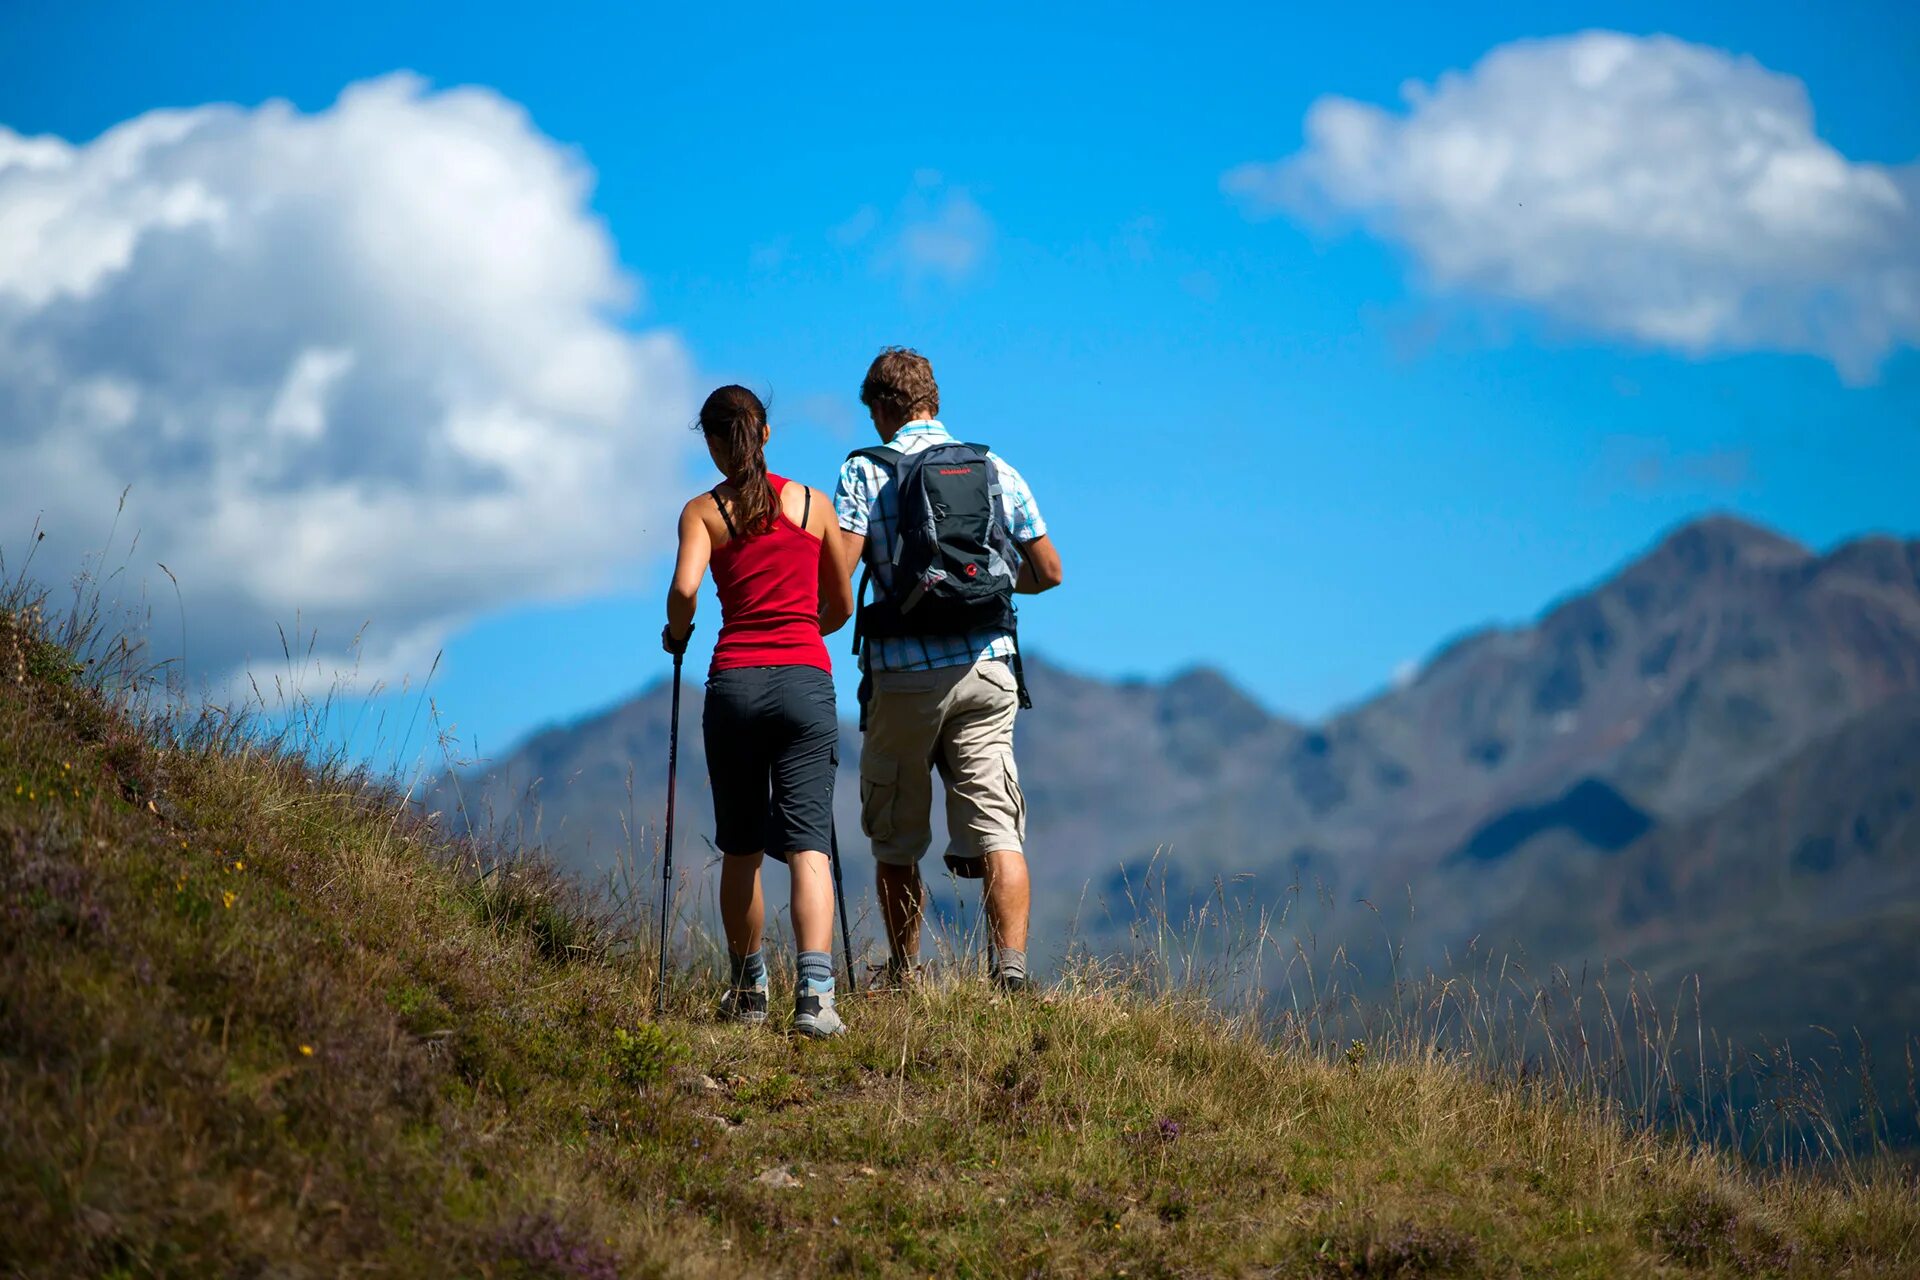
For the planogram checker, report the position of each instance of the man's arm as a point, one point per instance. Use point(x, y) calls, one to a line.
point(1039, 566)
point(852, 547)
point(1039, 558)
point(836, 590)
point(852, 504)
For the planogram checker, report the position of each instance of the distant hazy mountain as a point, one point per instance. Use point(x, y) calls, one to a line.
point(1710, 758)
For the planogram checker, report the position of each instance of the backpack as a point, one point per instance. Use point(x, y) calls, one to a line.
point(953, 565)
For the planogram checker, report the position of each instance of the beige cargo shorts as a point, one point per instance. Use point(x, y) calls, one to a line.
point(958, 720)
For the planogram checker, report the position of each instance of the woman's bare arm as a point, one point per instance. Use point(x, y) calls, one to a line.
point(689, 570)
point(836, 587)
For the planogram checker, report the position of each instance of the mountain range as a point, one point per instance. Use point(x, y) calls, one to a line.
point(1706, 764)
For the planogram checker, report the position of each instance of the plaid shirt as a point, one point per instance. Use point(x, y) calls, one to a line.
point(864, 503)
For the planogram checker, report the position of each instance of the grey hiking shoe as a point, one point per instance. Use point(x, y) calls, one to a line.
point(814, 1015)
point(1013, 983)
point(745, 1004)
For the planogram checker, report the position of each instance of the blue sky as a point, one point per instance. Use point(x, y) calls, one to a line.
point(1271, 437)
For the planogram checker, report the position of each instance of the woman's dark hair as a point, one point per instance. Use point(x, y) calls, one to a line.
point(732, 419)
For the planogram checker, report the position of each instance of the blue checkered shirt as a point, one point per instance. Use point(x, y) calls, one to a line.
point(863, 499)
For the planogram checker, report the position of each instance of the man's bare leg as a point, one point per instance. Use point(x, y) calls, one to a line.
point(1008, 900)
point(902, 908)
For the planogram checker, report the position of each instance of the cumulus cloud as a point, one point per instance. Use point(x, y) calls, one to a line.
point(362, 365)
point(1648, 188)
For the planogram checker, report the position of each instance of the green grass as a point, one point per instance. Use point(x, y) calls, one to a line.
point(257, 1019)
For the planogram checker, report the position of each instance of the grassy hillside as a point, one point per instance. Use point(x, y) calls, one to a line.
point(255, 1019)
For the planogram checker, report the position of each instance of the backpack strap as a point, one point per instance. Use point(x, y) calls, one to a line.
point(889, 457)
point(993, 472)
point(997, 494)
point(806, 507)
point(860, 608)
point(884, 454)
point(731, 531)
point(1019, 676)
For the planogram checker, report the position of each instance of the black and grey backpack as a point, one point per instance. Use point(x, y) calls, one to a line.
point(952, 566)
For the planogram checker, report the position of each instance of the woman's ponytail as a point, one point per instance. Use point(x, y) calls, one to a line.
point(735, 421)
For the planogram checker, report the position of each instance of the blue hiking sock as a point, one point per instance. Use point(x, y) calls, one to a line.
point(814, 971)
point(749, 970)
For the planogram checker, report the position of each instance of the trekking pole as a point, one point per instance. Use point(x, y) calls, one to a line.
point(666, 856)
point(840, 897)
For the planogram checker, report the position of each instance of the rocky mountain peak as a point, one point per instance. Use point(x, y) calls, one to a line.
point(1720, 542)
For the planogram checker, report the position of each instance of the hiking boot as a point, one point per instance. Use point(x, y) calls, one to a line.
point(814, 1016)
point(894, 976)
point(745, 1004)
point(1013, 983)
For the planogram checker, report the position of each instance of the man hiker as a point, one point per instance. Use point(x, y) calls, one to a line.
point(947, 532)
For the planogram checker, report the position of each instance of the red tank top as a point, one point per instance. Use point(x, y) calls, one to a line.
point(769, 586)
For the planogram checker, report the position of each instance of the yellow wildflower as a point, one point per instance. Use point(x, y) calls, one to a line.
point(306, 1051)
point(227, 898)
point(239, 866)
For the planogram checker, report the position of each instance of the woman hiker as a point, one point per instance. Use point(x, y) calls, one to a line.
point(772, 733)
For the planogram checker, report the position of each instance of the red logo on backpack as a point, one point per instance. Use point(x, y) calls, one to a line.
point(973, 571)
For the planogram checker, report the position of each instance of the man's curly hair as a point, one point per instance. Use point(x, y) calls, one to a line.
point(900, 385)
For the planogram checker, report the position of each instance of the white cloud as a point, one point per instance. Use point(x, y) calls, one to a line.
point(833, 412)
point(946, 240)
point(936, 235)
point(856, 228)
point(362, 364)
point(1642, 187)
